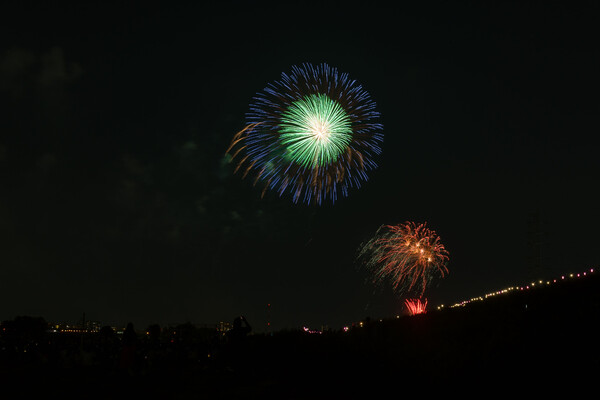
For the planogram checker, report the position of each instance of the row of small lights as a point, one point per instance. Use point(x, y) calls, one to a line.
point(465, 302)
point(513, 288)
point(308, 330)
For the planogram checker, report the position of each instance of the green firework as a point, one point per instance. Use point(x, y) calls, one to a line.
point(315, 130)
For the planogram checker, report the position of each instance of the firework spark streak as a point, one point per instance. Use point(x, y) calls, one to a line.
point(409, 255)
point(312, 134)
point(415, 306)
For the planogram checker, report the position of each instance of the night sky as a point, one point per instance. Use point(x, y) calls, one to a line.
point(116, 199)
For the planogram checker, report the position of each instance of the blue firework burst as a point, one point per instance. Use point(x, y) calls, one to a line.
point(313, 134)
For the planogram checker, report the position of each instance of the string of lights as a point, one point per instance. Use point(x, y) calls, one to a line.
point(525, 287)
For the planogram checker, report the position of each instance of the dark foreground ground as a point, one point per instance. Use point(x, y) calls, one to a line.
point(539, 342)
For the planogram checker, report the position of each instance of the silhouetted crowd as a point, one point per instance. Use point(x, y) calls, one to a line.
point(535, 339)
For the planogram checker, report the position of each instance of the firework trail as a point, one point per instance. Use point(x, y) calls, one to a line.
point(415, 306)
point(409, 255)
point(312, 134)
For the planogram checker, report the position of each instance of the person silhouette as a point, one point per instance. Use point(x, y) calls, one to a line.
point(239, 332)
point(236, 349)
point(128, 349)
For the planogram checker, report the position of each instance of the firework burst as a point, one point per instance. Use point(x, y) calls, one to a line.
point(416, 306)
point(409, 255)
point(312, 134)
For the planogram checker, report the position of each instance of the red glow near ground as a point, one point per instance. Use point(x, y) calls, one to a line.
point(415, 306)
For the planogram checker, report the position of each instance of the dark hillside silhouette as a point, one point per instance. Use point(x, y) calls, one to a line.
point(544, 339)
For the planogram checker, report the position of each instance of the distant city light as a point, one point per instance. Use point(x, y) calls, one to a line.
point(526, 287)
point(311, 331)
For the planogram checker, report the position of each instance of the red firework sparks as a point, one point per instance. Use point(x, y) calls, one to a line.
point(409, 255)
point(415, 306)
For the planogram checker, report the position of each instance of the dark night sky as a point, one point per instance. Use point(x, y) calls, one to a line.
point(116, 199)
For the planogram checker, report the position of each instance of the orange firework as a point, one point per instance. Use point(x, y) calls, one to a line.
point(409, 255)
